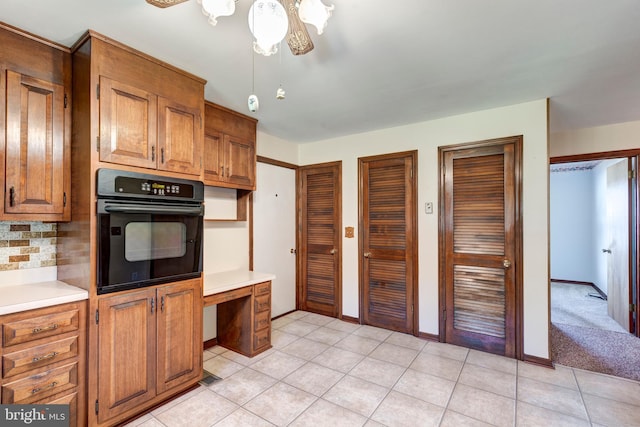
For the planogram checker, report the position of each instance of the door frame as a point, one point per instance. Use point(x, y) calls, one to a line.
point(634, 216)
point(518, 236)
point(414, 286)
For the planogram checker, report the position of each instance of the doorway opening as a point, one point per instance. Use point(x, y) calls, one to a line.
point(594, 262)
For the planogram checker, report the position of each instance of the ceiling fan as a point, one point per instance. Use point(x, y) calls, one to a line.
point(297, 36)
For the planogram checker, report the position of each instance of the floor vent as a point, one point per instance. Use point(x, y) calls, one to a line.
point(208, 378)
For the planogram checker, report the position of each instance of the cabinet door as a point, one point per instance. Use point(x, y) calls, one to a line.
point(179, 138)
point(128, 124)
point(126, 352)
point(179, 334)
point(213, 158)
point(35, 146)
point(240, 158)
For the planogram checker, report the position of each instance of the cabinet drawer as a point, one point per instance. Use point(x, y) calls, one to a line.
point(263, 288)
point(39, 327)
point(262, 303)
point(35, 357)
point(68, 399)
point(227, 296)
point(262, 339)
point(41, 386)
point(262, 320)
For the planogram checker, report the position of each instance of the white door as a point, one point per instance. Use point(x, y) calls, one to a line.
point(274, 238)
point(618, 250)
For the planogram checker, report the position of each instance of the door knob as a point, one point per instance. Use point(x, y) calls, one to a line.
point(333, 251)
point(506, 263)
point(367, 254)
point(606, 251)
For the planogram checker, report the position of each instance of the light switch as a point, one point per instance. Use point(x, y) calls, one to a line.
point(428, 207)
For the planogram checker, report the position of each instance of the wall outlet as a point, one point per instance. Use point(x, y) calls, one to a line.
point(428, 208)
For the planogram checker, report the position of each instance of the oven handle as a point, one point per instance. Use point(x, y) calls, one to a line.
point(155, 209)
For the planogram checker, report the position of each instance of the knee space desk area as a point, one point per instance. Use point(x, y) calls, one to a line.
point(243, 300)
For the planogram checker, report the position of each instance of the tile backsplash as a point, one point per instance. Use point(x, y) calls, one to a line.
point(25, 244)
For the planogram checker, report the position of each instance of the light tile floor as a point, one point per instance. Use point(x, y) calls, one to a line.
point(325, 372)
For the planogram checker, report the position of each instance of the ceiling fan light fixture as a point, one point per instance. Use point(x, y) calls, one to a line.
point(269, 24)
point(315, 12)
point(217, 8)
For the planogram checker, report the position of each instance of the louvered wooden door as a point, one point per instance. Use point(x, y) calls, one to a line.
point(319, 252)
point(388, 239)
point(481, 239)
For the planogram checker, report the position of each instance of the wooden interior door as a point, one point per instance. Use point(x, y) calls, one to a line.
point(35, 146)
point(388, 241)
point(480, 255)
point(618, 251)
point(319, 243)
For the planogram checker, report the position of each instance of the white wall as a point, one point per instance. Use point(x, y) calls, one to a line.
point(528, 119)
point(572, 222)
point(226, 243)
point(621, 136)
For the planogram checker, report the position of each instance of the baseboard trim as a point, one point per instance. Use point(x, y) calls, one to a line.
point(540, 361)
point(577, 282)
point(210, 343)
point(283, 314)
point(351, 319)
point(429, 337)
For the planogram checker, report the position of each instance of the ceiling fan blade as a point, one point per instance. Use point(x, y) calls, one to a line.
point(165, 3)
point(297, 36)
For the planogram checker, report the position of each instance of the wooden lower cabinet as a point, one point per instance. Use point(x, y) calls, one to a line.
point(43, 358)
point(244, 318)
point(150, 346)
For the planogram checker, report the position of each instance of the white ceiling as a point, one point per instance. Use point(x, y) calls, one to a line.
point(376, 68)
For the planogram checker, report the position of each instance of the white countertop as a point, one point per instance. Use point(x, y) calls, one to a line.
point(37, 295)
point(214, 283)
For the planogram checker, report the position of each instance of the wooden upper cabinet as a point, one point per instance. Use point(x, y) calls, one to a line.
point(150, 114)
point(127, 124)
point(179, 137)
point(229, 148)
point(35, 130)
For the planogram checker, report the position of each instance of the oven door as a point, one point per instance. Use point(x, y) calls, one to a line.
point(146, 243)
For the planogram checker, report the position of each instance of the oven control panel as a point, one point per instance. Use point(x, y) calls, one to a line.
point(125, 184)
point(135, 186)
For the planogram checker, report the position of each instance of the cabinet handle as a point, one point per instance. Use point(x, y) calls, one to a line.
point(46, 356)
point(12, 196)
point(48, 386)
point(45, 329)
point(153, 302)
point(162, 155)
point(153, 154)
point(162, 304)
point(221, 167)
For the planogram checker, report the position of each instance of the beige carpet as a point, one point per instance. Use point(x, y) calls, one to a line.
point(583, 335)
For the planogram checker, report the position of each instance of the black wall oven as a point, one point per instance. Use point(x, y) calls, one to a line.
point(149, 229)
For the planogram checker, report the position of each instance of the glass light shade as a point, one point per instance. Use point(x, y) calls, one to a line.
point(268, 23)
point(217, 8)
point(315, 12)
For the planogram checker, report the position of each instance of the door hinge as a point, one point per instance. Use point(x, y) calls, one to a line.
point(66, 100)
point(632, 174)
point(632, 308)
point(98, 144)
point(64, 199)
point(97, 317)
point(97, 406)
point(98, 91)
